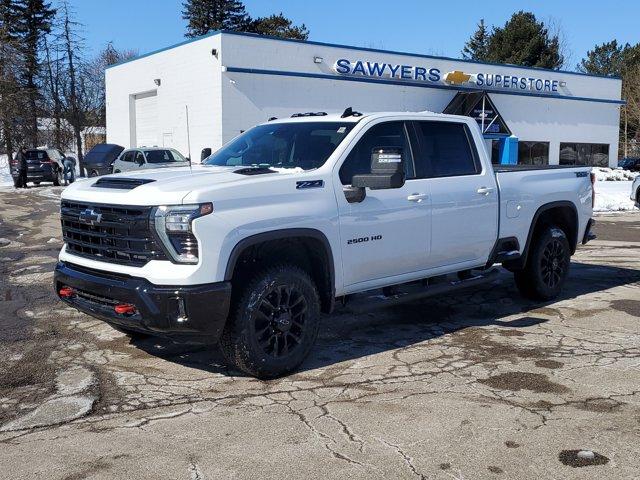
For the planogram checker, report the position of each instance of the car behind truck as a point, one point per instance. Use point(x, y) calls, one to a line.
point(248, 250)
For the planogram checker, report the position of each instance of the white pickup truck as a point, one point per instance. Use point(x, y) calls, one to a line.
point(248, 249)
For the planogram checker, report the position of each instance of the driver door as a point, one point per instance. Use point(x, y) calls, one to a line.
point(387, 234)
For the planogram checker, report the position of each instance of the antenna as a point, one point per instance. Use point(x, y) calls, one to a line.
point(186, 107)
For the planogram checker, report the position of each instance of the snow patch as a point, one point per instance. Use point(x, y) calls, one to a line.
point(613, 196)
point(613, 174)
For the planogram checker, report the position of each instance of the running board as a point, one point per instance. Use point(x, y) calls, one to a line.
point(410, 292)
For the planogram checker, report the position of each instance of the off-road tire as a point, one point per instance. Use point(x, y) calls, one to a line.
point(547, 266)
point(269, 334)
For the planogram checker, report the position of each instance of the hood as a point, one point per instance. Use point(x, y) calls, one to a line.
point(163, 186)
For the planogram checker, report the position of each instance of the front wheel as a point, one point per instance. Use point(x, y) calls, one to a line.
point(275, 322)
point(547, 266)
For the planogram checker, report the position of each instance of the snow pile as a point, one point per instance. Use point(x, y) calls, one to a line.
point(5, 174)
point(613, 174)
point(613, 196)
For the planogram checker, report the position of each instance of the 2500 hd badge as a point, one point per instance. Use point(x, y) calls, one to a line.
point(363, 239)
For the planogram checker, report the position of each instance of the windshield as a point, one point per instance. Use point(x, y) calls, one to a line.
point(304, 145)
point(163, 156)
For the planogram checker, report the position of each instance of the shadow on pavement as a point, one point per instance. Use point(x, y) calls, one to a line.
point(345, 336)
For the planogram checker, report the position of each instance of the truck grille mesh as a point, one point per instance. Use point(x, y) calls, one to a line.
point(108, 233)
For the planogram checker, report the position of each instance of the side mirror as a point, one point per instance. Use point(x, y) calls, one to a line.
point(387, 170)
point(205, 153)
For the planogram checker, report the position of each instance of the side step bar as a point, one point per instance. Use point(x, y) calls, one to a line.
point(407, 293)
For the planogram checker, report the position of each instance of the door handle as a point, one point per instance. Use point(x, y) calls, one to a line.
point(484, 191)
point(417, 197)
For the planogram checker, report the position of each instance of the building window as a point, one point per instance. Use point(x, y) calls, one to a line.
point(533, 153)
point(593, 154)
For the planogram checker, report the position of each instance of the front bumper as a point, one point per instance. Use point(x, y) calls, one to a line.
point(185, 314)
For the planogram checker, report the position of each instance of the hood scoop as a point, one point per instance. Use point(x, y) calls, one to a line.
point(121, 183)
point(254, 171)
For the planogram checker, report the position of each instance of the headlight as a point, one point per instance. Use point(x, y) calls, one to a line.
point(173, 226)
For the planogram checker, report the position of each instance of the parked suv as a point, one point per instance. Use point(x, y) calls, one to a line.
point(632, 164)
point(43, 165)
point(99, 160)
point(145, 158)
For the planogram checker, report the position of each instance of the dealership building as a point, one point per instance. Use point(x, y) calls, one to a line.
point(203, 92)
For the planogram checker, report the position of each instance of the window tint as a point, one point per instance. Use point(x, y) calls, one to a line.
point(139, 157)
point(128, 156)
point(595, 154)
point(36, 155)
point(533, 153)
point(446, 149)
point(389, 134)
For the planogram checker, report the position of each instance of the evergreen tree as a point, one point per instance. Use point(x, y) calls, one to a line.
point(525, 41)
point(610, 58)
point(10, 65)
point(34, 22)
point(204, 16)
point(477, 47)
point(278, 26)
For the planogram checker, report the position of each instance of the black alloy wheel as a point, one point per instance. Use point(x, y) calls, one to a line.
point(279, 320)
point(553, 263)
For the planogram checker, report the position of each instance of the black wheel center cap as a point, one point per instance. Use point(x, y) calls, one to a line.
point(283, 321)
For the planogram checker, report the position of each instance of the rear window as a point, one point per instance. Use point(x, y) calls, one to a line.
point(36, 155)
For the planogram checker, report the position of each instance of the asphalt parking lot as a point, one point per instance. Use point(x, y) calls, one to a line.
point(482, 384)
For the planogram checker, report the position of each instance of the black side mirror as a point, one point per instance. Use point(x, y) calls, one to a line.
point(205, 153)
point(387, 170)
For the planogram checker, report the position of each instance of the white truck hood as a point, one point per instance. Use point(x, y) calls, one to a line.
point(166, 186)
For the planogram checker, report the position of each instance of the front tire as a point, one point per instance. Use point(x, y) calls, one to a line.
point(547, 266)
point(274, 324)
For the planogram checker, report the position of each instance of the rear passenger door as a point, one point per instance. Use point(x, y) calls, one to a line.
point(464, 197)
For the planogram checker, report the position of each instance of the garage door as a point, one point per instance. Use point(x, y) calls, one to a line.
point(147, 119)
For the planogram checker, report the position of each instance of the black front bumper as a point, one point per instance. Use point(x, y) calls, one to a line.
point(185, 314)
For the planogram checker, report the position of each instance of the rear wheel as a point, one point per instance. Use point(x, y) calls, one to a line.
point(547, 266)
point(275, 322)
point(57, 177)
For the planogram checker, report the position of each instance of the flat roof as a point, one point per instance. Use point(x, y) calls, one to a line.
point(351, 47)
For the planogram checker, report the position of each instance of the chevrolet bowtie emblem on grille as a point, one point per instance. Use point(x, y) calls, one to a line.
point(457, 77)
point(89, 216)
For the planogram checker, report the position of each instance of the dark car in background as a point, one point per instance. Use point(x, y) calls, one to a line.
point(99, 160)
point(43, 165)
point(630, 163)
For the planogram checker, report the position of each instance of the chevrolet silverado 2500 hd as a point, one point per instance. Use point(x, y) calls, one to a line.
point(248, 249)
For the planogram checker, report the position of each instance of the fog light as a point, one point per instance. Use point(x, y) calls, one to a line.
point(125, 309)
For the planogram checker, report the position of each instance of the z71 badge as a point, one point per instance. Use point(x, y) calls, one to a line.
point(310, 184)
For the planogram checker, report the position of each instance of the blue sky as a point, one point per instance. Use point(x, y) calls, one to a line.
point(437, 28)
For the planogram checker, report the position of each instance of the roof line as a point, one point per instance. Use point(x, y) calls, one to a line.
point(324, 76)
point(362, 49)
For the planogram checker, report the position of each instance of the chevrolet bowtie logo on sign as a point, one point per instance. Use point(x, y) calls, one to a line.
point(457, 77)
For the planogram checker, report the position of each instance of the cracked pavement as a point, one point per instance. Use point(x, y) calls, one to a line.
point(481, 384)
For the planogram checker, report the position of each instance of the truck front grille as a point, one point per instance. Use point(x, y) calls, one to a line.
point(109, 233)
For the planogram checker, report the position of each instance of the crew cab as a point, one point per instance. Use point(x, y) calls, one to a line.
point(247, 250)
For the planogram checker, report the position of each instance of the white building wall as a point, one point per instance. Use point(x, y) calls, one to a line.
point(223, 102)
point(189, 76)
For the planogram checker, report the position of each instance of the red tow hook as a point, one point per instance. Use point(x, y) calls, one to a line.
point(66, 292)
point(125, 309)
